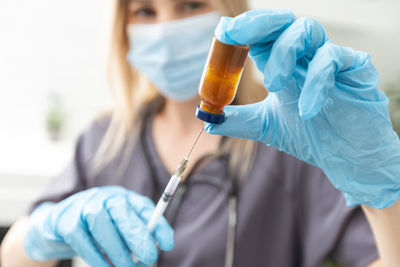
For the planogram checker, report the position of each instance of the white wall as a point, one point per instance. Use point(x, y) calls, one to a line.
point(45, 45)
point(50, 45)
point(368, 25)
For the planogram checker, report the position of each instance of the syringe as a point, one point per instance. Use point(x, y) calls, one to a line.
point(171, 187)
point(169, 191)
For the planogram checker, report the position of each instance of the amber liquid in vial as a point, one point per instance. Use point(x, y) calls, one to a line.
point(221, 76)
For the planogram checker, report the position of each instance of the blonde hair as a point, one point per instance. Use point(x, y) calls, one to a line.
point(131, 91)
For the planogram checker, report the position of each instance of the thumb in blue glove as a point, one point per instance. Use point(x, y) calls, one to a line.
point(110, 220)
point(324, 107)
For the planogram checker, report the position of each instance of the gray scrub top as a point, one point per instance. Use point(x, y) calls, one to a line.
point(289, 214)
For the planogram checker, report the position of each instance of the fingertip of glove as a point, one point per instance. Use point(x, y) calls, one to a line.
point(164, 235)
point(30, 249)
point(165, 239)
point(310, 102)
point(306, 112)
point(149, 255)
point(208, 127)
point(221, 32)
point(214, 129)
point(167, 244)
point(306, 115)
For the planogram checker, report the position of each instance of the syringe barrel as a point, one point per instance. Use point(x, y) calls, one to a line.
point(162, 203)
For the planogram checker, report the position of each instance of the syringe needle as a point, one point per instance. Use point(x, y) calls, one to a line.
point(195, 142)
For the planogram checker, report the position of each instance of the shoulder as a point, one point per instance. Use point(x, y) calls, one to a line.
point(91, 137)
point(98, 127)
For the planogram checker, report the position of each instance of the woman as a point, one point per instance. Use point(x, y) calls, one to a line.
point(288, 212)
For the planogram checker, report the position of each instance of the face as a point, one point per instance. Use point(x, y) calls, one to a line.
point(156, 11)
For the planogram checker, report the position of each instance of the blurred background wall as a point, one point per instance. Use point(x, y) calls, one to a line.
point(368, 25)
point(52, 76)
point(52, 70)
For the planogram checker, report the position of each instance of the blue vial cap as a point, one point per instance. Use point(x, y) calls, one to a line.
point(209, 117)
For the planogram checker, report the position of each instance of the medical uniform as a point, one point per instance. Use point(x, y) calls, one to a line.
point(289, 214)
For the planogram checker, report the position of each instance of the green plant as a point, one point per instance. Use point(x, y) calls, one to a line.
point(55, 119)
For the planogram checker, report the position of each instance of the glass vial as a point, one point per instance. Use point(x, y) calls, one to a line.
point(220, 80)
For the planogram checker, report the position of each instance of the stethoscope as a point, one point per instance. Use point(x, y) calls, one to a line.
point(181, 192)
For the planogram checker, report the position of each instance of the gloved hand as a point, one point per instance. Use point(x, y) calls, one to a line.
point(110, 220)
point(323, 108)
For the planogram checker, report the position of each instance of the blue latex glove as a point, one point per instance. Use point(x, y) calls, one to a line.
point(323, 108)
point(110, 220)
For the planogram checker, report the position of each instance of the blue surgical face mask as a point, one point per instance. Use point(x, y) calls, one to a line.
point(172, 54)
